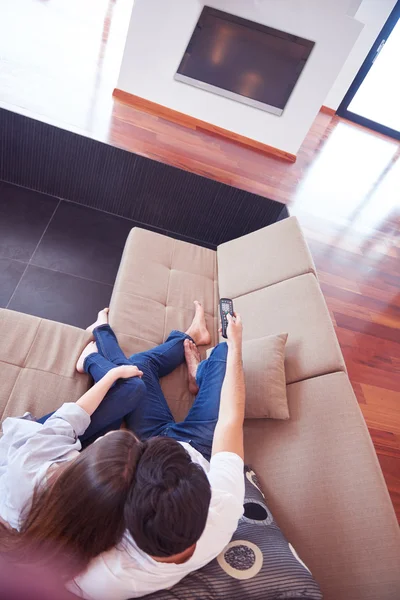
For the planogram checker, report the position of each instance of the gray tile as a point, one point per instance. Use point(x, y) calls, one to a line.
point(10, 274)
point(24, 215)
point(60, 297)
point(83, 241)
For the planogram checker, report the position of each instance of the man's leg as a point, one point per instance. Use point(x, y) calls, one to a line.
point(163, 359)
point(199, 425)
point(151, 417)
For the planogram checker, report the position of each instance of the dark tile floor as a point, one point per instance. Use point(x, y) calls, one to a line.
point(58, 260)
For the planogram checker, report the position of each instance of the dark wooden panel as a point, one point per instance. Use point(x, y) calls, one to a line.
point(171, 200)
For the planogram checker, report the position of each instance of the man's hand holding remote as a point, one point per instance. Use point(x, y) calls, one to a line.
point(234, 331)
point(228, 436)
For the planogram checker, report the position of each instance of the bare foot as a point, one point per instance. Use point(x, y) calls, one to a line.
point(102, 319)
point(198, 330)
point(89, 349)
point(192, 357)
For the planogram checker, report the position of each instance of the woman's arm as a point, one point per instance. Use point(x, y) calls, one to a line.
point(93, 397)
point(30, 447)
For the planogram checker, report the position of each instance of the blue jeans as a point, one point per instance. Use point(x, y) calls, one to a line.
point(141, 402)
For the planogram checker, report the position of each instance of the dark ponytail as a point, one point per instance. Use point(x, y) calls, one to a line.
point(79, 512)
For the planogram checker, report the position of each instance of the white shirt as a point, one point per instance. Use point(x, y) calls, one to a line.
point(28, 449)
point(127, 572)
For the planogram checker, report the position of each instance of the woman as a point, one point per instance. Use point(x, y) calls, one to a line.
point(52, 496)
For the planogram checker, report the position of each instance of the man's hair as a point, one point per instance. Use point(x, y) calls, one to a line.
point(168, 504)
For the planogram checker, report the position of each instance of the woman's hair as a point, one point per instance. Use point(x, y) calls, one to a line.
point(79, 512)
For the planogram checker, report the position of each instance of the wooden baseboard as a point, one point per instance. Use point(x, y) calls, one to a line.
point(327, 110)
point(198, 125)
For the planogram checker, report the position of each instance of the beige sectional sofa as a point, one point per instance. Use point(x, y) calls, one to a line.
point(319, 470)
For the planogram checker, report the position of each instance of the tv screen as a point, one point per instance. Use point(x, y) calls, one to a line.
point(243, 60)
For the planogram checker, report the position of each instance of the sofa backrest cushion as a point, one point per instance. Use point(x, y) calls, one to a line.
point(37, 364)
point(264, 257)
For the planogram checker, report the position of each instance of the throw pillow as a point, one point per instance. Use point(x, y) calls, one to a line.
point(258, 563)
point(264, 372)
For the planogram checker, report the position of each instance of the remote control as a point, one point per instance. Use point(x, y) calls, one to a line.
point(225, 307)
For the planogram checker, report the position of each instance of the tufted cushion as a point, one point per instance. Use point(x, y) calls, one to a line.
point(157, 281)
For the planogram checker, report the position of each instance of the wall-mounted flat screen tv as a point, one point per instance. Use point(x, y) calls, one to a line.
point(243, 60)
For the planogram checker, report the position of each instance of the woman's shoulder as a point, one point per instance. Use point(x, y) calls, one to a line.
point(16, 430)
point(27, 451)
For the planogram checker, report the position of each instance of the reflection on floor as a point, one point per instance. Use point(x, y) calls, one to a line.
point(60, 59)
point(344, 188)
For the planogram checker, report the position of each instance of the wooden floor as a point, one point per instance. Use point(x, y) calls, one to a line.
point(344, 187)
point(345, 190)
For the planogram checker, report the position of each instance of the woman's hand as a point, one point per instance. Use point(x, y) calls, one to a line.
point(126, 371)
point(91, 400)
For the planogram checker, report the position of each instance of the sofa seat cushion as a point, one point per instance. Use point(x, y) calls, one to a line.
point(37, 363)
point(264, 257)
point(324, 485)
point(157, 281)
point(297, 307)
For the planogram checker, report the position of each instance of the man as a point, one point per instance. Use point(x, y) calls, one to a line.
point(188, 489)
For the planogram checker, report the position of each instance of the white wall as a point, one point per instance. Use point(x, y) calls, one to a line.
point(373, 14)
point(160, 30)
point(354, 5)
